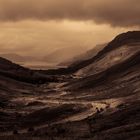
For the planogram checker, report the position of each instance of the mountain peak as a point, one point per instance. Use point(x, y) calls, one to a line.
point(124, 38)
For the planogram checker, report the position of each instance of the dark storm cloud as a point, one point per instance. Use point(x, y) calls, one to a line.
point(114, 12)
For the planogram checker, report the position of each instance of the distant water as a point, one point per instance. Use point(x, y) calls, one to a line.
point(41, 65)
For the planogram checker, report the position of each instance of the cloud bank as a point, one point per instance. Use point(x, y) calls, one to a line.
point(114, 12)
point(40, 38)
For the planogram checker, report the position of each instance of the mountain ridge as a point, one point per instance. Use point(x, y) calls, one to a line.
point(117, 42)
point(19, 73)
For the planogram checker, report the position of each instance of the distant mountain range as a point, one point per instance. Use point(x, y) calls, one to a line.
point(63, 55)
point(50, 60)
point(84, 56)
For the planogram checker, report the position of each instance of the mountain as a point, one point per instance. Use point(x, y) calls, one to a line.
point(18, 58)
point(118, 61)
point(111, 77)
point(84, 56)
point(19, 73)
point(98, 98)
point(121, 47)
point(64, 54)
point(126, 71)
point(14, 57)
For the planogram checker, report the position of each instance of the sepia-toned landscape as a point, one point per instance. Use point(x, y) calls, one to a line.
point(69, 70)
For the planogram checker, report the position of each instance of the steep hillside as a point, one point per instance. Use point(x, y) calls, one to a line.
point(109, 59)
point(125, 72)
point(124, 45)
point(119, 61)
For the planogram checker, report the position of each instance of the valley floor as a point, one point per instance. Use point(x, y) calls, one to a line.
point(49, 112)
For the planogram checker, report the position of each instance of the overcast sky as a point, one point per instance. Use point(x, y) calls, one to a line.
point(41, 26)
